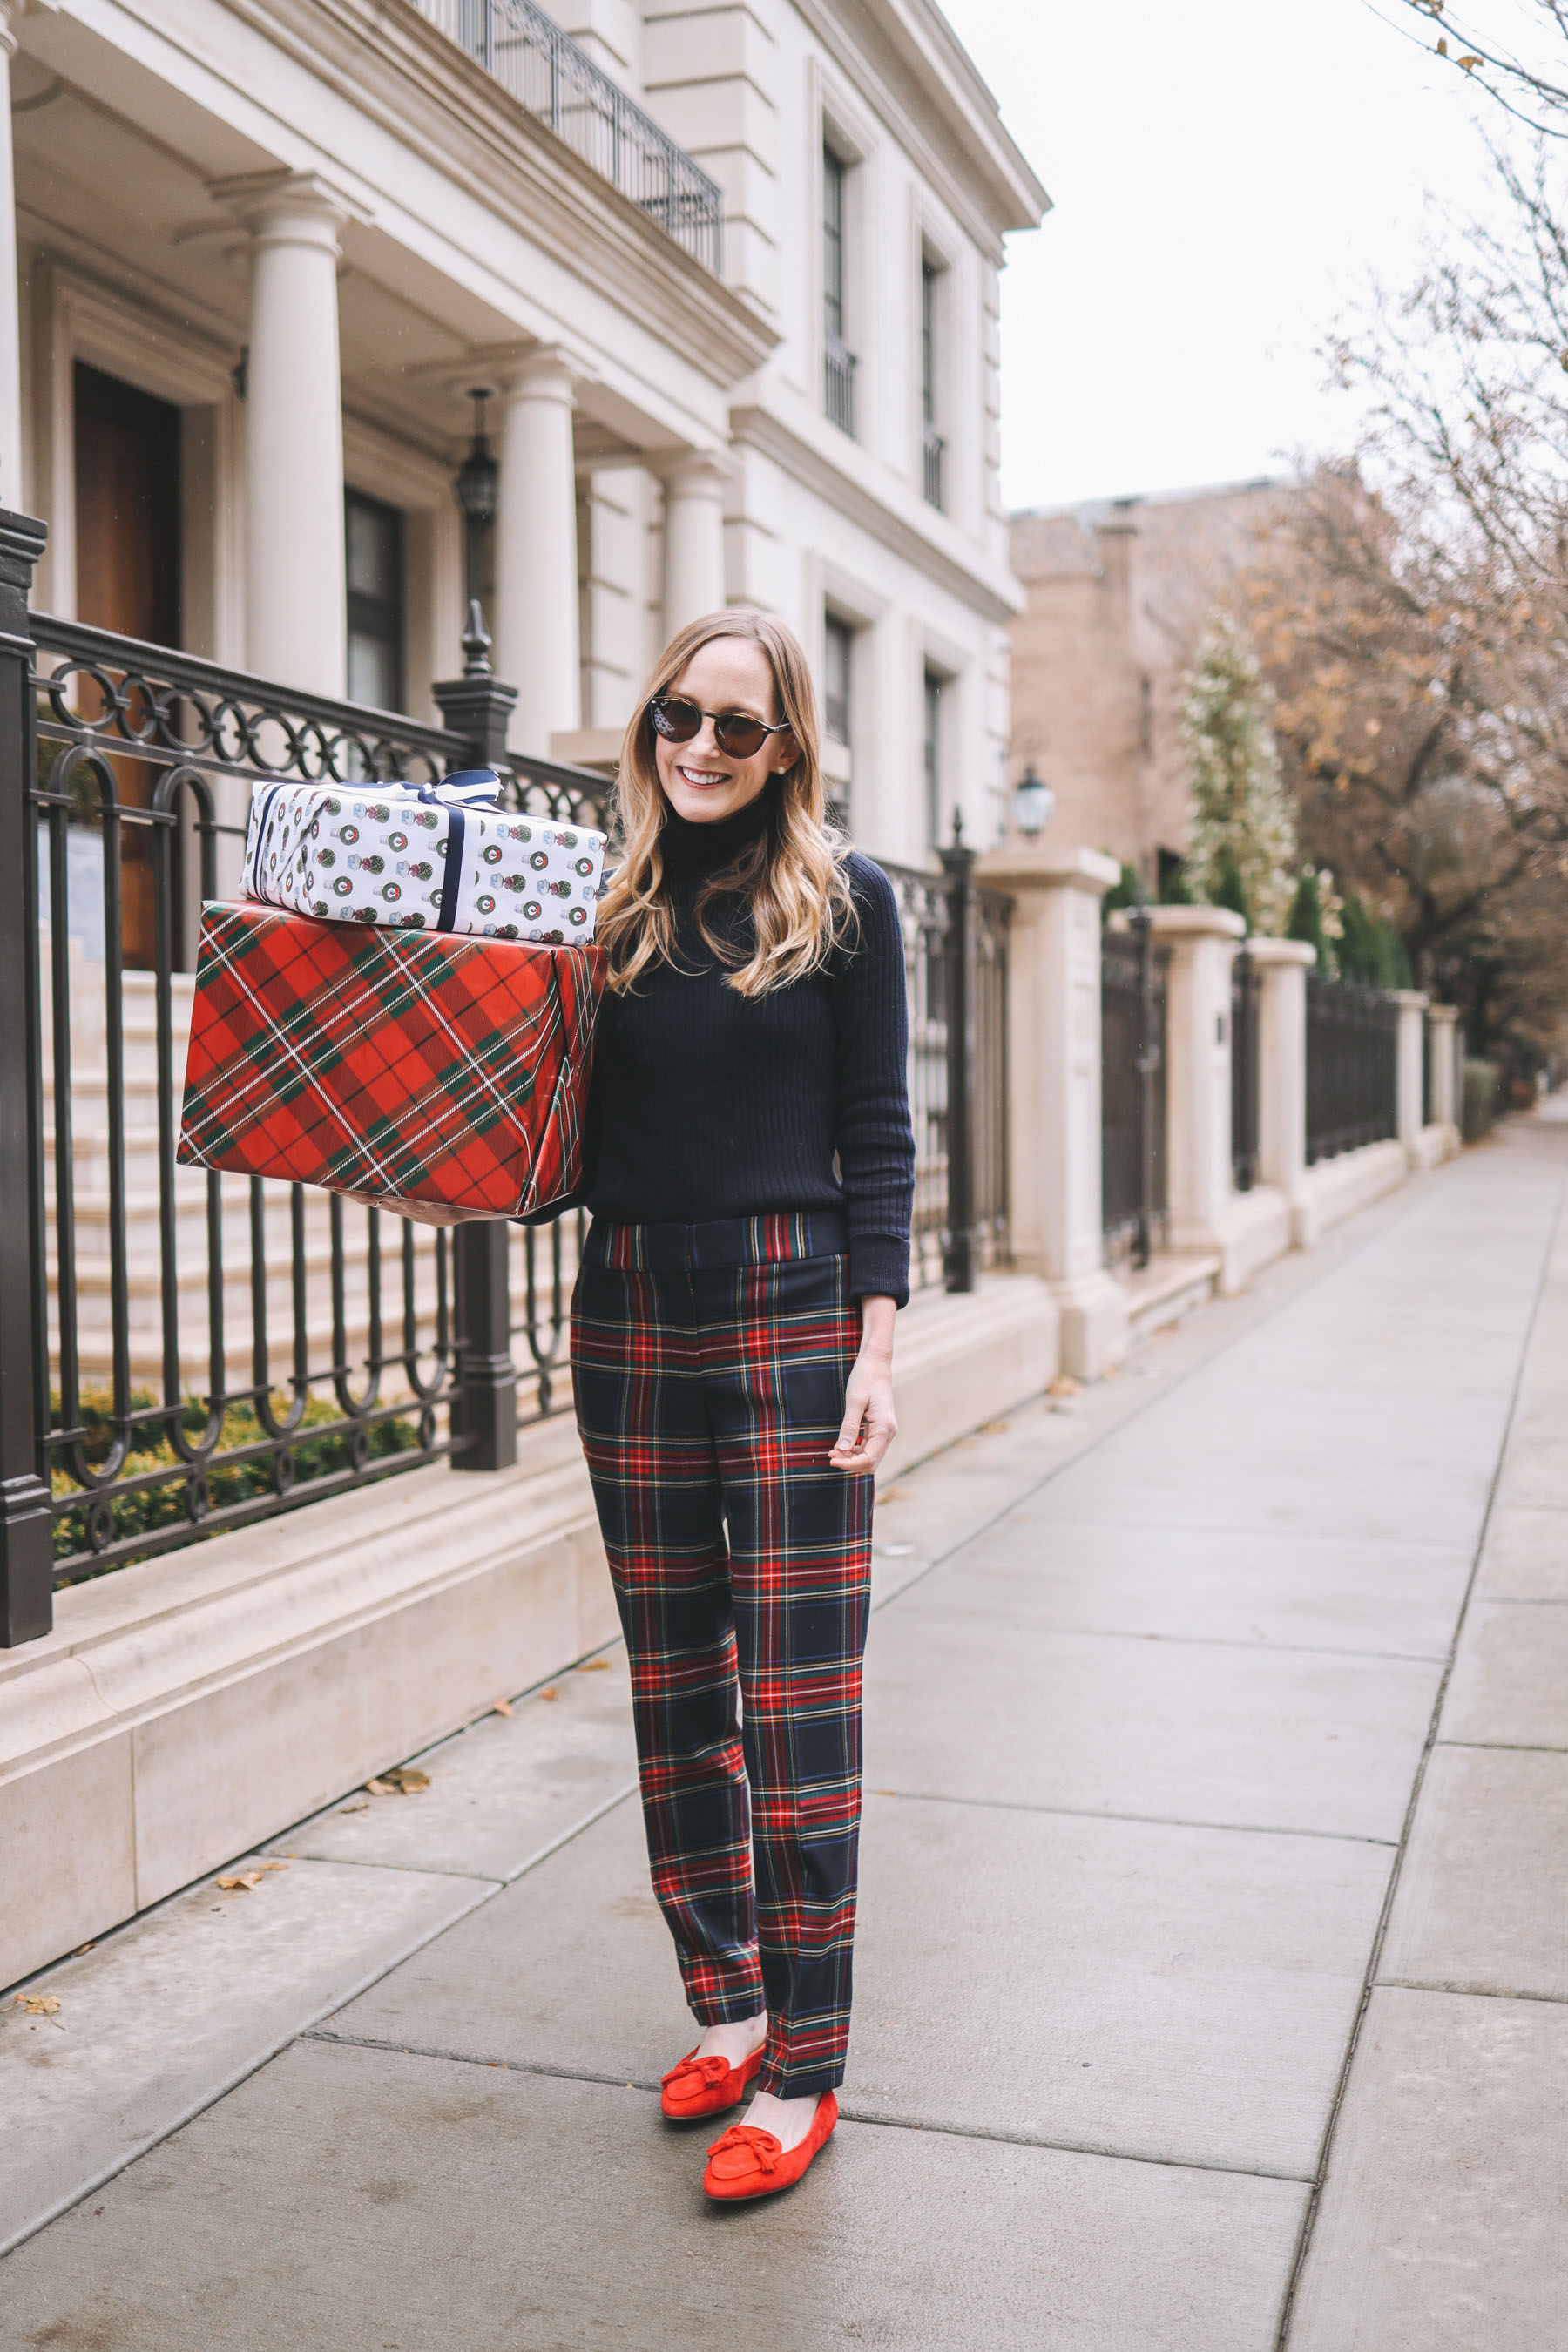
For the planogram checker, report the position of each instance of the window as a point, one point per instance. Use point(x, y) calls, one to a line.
point(839, 359)
point(931, 439)
point(933, 747)
point(373, 549)
point(838, 654)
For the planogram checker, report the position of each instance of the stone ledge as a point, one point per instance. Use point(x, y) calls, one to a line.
point(1336, 1189)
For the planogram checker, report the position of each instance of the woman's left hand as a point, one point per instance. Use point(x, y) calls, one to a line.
point(418, 1213)
point(870, 1424)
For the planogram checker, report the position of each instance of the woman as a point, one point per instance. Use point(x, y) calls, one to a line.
point(749, 1165)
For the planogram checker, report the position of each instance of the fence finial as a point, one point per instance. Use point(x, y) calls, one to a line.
point(476, 643)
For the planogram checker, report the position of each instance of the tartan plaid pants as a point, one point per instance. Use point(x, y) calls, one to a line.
point(708, 1365)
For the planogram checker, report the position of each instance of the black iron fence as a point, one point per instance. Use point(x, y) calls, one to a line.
point(1353, 1067)
point(181, 1351)
point(956, 956)
point(1133, 1089)
point(1243, 1069)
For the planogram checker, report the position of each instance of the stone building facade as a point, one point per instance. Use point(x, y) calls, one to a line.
point(729, 273)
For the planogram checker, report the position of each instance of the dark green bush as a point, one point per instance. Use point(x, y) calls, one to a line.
point(1480, 1097)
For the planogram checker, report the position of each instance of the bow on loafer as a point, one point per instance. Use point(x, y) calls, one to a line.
point(747, 2161)
point(704, 2086)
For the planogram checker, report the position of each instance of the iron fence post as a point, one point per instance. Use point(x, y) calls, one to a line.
point(27, 1533)
point(958, 1253)
point(1143, 930)
point(479, 708)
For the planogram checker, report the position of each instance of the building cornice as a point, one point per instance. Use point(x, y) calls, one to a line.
point(993, 597)
point(905, 60)
point(391, 64)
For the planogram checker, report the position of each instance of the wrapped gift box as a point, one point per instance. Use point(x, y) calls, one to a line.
point(426, 1067)
point(439, 858)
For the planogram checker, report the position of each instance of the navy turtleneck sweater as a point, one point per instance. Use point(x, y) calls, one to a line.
point(707, 1104)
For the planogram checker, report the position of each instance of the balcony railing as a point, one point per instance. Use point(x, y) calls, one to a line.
point(838, 388)
point(551, 77)
point(934, 446)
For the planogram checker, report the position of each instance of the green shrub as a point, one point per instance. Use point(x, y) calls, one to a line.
point(164, 1506)
point(1306, 921)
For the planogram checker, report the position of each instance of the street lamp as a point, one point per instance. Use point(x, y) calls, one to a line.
point(475, 483)
point(1034, 802)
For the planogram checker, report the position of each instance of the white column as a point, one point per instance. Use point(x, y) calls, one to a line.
point(693, 541)
point(10, 307)
point(296, 627)
point(1053, 1075)
point(1282, 966)
point(1202, 942)
point(1411, 1068)
point(536, 630)
point(1443, 1046)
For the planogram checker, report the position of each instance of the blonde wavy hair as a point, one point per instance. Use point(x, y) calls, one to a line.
point(793, 876)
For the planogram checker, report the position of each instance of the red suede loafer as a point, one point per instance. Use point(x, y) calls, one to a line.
point(705, 2086)
point(749, 2162)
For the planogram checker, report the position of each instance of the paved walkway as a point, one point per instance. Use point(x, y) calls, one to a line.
point(1154, 1685)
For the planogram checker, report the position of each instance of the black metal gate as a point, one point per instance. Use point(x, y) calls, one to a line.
point(1132, 993)
point(1244, 1070)
point(1353, 1067)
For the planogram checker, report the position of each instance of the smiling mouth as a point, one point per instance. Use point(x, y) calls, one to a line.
point(701, 776)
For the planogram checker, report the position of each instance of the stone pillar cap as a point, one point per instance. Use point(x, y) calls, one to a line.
point(1025, 865)
point(1443, 1011)
point(1196, 923)
point(1415, 1000)
point(1283, 952)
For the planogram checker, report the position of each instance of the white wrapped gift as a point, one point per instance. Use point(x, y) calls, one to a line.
point(439, 858)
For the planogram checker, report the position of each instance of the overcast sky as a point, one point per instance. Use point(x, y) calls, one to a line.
point(1227, 176)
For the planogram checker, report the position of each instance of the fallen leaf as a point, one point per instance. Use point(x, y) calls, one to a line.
point(550, 1693)
point(503, 1707)
point(354, 1809)
point(1064, 1385)
point(407, 1778)
point(37, 2004)
point(994, 1428)
point(380, 1789)
point(272, 1865)
point(239, 1879)
point(594, 1667)
point(82, 1948)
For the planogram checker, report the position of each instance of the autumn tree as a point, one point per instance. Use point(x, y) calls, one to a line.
point(1243, 850)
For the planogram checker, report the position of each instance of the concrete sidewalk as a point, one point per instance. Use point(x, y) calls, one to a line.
point(1153, 1685)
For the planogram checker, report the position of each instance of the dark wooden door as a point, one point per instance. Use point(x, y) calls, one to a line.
point(128, 578)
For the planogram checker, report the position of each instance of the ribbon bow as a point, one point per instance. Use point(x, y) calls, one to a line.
point(761, 2145)
point(466, 788)
point(710, 2069)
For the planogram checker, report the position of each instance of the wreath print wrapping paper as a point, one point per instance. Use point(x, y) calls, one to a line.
point(388, 854)
point(418, 1066)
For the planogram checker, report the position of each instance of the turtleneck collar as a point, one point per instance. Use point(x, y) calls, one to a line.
point(690, 848)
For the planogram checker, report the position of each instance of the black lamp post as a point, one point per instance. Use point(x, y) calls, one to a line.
point(475, 483)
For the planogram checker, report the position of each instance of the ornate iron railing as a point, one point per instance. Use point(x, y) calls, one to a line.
point(197, 1351)
point(955, 959)
point(551, 78)
point(1243, 1070)
point(838, 384)
point(1353, 1067)
point(1133, 977)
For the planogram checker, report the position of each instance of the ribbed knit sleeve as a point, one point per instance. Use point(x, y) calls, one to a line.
point(875, 1141)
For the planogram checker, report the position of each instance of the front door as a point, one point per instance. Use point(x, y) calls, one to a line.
point(127, 579)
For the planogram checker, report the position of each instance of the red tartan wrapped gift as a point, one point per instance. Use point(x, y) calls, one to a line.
point(422, 1065)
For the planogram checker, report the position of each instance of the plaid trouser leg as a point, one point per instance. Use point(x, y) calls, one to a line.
point(640, 1410)
point(710, 1396)
point(776, 1366)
